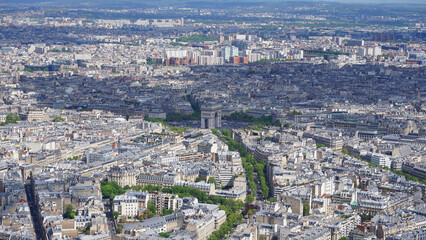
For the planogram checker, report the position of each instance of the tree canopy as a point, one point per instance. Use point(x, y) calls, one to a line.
point(212, 180)
point(249, 164)
point(242, 116)
point(69, 213)
point(306, 208)
point(58, 119)
point(11, 118)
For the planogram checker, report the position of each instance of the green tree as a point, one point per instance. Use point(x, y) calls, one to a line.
point(12, 118)
point(58, 119)
point(111, 189)
point(214, 236)
point(345, 151)
point(200, 178)
point(271, 199)
point(366, 218)
point(119, 228)
point(147, 214)
point(212, 180)
point(86, 230)
point(294, 112)
point(237, 205)
point(69, 213)
point(250, 212)
point(343, 238)
point(226, 132)
point(150, 188)
point(152, 207)
point(242, 116)
point(166, 211)
point(215, 132)
point(116, 214)
point(164, 235)
point(306, 208)
point(249, 198)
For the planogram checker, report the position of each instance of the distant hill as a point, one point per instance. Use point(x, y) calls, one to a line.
point(128, 4)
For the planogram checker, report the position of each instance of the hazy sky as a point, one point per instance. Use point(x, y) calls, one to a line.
point(379, 1)
point(172, 2)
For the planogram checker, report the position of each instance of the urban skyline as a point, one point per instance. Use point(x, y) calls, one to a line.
point(212, 120)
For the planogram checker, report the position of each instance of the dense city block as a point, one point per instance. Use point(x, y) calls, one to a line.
point(198, 120)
